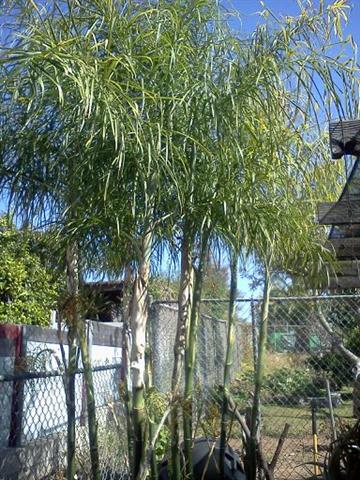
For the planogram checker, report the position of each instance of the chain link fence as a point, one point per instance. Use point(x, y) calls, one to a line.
point(34, 424)
point(306, 341)
point(211, 333)
point(303, 354)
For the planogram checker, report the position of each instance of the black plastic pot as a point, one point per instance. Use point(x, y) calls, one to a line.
point(206, 462)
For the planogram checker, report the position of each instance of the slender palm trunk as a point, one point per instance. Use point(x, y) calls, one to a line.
point(138, 319)
point(125, 374)
point(70, 408)
point(152, 420)
point(259, 375)
point(79, 328)
point(184, 306)
point(153, 461)
point(72, 278)
point(228, 358)
point(90, 400)
point(190, 356)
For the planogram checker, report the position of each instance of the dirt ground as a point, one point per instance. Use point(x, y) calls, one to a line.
point(296, 456)
point(295, 462)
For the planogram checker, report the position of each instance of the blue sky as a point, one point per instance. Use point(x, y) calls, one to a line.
point(249, 8)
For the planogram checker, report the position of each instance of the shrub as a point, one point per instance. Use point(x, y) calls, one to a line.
point(283, 385)
point(291, 384)
point(242, 386)
point(335, 367)
point(156, 403)
point(28, 290)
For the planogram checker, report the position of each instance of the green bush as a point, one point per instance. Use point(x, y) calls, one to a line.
point(28, 290)
point(292, 384)
point(242, 387)
point(353, 341)
point(335, 366)
point(156, 404)
point(283, 385)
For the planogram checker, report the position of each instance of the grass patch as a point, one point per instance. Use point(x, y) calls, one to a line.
point(274, 418)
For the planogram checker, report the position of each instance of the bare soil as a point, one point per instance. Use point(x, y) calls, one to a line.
point(295, 462)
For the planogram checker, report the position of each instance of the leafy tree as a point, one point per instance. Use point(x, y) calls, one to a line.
point(215, 285)
point(28, 290)
point(163, 288)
